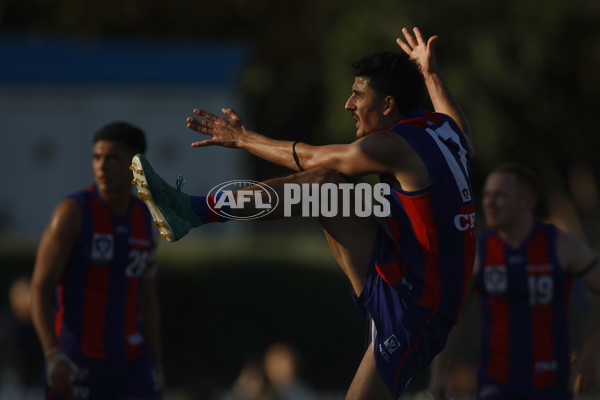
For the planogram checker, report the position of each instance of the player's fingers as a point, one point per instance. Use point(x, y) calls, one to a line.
point(230, 113)
point(587, 379)
point(418, 36)
point(431, 42)
point(64, 387)
point(407, 49)
point(200, 125)
point(409, 38)
point(207, 142)
point(439, 395)
point(575, 383)
point(70, 390)
point(205, 114)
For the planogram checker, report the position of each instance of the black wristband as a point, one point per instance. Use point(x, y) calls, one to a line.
point(296, 156)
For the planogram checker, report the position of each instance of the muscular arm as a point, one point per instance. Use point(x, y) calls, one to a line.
point(577, 257)
point(423, 53)
point(51, 260)
point(151, 319)
point(586, 362)
point(379, 152)
point(52, 256)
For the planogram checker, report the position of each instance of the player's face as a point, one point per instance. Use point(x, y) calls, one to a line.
point(506, 202)
point(366, 107)
point(110, 162)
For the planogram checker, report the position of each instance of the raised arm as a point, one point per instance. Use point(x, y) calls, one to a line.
point(423, 53)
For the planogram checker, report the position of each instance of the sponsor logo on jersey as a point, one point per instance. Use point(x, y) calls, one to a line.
point(102, 248)
point(135, 339)
point(495, 279)
point(543, 366)
point(463, 222)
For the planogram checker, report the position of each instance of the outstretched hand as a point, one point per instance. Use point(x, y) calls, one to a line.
point(226, 131)
point(583, 371)
point(421, 52)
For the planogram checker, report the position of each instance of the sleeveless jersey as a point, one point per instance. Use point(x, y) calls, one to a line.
point(97, 311)
point(429, 251)
point(524, 297)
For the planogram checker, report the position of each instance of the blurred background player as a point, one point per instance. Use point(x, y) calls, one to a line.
point(523, 272)
point(94, 303)
point(20, 353)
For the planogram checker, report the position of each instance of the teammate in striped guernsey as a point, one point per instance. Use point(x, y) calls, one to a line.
point(96, 263)
point(524, 271)
point(408, 274)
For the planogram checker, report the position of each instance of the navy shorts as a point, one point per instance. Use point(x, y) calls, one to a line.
point(102, 380)
point(405, 337)
point(487, 389)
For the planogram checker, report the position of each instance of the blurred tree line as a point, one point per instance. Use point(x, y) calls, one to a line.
point(526, 73)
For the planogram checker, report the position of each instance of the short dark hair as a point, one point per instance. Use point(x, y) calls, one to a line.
point(129, 135)
point(393, 73)
point(523, 174)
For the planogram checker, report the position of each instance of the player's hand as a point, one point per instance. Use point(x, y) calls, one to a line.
point(60, 373)
point(583, 371)
point(439, 386)
point(159, 381)
point(226, 131)
point(421, 52)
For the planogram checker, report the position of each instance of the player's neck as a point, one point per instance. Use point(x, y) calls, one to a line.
point(515, 234)
point(118, 202)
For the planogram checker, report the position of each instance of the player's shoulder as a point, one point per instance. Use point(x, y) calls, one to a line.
point(66, 218)
point(572, 250)
point(68, 206)
point(568, 240)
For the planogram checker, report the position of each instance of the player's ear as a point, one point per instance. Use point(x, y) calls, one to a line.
point(389, 105)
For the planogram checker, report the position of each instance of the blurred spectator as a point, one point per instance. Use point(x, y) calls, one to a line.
point(20, 352)
point(282, 366)
point(251, 384)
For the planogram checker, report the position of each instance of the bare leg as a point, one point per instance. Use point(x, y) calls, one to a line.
point(351, 241)
point(367, 384)
point(350, 238)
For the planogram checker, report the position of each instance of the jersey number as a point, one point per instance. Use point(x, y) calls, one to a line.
point(541, 289)
point(441, 135)
point(137, 266)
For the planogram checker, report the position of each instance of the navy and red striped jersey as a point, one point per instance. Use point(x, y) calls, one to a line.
point(431, 254)
point(98, 295)
point(525, 298)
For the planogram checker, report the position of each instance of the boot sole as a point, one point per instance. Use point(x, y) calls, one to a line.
point(143, 192)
